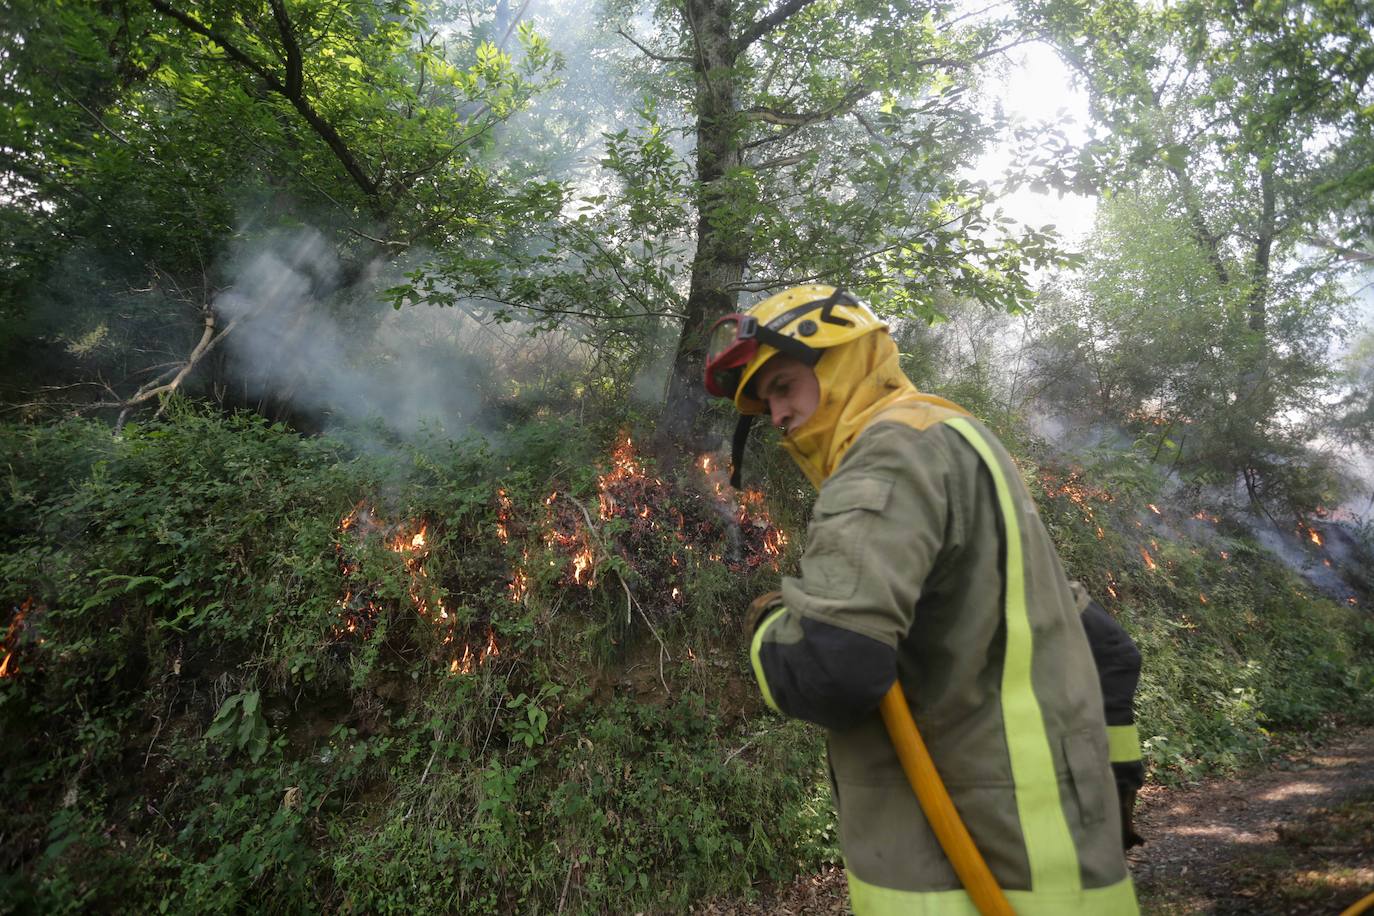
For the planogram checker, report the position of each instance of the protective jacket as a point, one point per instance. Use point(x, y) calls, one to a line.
point(927, 563)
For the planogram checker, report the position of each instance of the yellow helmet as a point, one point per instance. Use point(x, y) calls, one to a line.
point(787, 322)
point(802, 322)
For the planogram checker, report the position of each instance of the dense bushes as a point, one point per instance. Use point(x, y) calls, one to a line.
point(1242, 658)
point(193, 726)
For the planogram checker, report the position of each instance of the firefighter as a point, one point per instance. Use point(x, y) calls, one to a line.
point(926, 565)
point(1118, 672)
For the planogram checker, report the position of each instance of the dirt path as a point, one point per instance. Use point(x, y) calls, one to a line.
point(1294, 838)
point(1297, 837)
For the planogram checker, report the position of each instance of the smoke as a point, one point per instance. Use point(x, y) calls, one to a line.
point(340, 354)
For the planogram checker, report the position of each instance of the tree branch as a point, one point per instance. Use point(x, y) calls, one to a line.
point(780, 162)
point(295, 79)
point(804, 119)
point(768, 23)
point(519, 14)
point(158, 386)
point(662, 59)
point(1344, 252)
point(292, 90)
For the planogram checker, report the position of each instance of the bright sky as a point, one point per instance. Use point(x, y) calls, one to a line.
point(1038, 87)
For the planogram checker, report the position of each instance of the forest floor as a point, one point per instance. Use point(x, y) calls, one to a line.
point(1296, 837)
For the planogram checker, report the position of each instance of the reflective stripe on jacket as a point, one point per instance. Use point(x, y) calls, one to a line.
point(926, 562)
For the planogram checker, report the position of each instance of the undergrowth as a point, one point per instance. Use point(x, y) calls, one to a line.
point(218, 700)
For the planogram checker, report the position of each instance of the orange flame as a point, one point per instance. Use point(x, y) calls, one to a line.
point(519, 586)
point(1202, 598)
point(582, 564)
point(10, 666)
point(1153, 508)
point(503, 507)
point(1149, 560)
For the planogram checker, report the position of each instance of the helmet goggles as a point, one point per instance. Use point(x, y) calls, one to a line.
point(735, 339)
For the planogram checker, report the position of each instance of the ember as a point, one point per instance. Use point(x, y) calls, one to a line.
point(1149, 560)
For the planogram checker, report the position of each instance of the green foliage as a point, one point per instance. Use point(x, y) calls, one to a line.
point(193, 729)
point(239, 724)
point(1241, 658)
point(1212, 293)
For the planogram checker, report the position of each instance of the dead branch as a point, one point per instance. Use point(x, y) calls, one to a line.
point(171, 379)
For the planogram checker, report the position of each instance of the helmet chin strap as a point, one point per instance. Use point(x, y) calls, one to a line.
point(746, 422)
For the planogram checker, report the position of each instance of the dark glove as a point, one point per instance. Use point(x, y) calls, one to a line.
point(1129, 837)
point(758, 609)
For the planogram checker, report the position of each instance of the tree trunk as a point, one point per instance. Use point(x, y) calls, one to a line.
point(722, 243)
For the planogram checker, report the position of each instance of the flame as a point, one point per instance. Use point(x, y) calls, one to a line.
point(1351, 601)
point(582, 563)
point(677, 594)
point(503, 509)
point(1149, 560)
point(1203, 516)
point(10, 666)
point(1326, 563)
point(1100, 535)
point(1111, 590)
point(1314, 537)
point(1202, 598)
point(519, 586)
point(1153, 508)
point(1225, 555)
point(644, 512)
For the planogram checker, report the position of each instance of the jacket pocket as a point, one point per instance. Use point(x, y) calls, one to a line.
point(1085, 752)
point(832, 562)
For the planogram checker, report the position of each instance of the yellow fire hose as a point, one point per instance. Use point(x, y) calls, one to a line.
point(939, 808)
point(1360, 906)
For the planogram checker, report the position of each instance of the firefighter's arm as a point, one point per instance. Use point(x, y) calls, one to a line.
point(828, 651)
point(1118, 670)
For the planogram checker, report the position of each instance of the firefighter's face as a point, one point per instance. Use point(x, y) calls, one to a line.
point(790, 389)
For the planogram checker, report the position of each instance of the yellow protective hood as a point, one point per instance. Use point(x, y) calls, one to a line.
point(858, 380)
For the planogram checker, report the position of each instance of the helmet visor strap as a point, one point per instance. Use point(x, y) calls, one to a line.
point(734, 342)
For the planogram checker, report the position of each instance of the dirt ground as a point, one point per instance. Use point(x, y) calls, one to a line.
point(1296, 837)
